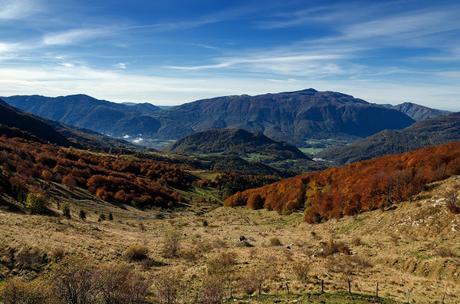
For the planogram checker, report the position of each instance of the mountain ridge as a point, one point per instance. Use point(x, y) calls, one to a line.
point(292, 116)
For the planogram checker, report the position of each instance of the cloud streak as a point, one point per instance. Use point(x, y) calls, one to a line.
point(18, 9)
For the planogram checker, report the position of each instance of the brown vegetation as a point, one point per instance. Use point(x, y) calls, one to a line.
point(358, 187)
point(118, 179)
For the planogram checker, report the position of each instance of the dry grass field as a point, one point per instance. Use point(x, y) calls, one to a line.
point(412, 251)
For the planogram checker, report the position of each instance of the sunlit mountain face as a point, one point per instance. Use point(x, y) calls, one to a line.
point(171, 52)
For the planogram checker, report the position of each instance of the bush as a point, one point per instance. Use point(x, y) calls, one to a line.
point(31, 259)
point(275, 242)
point(66, 212)
point(119, 284)
point(101, 217)
point(110, 216)
point(171, 244)
point(136, 253)
point(211, 291)
point(452, 201)
point(222, 263)
point(333, 247)
point(255, 279)
point(168, 286)
point(301, 270)
point(445, 252)
point(16, 291)
point(74, 282)
point(82, 215)
point(36, 203)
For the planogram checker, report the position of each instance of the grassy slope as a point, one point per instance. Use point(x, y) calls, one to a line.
point(401, 247)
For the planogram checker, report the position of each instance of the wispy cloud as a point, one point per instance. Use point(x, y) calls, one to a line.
point(284, 63)
point(117, 86)
point(75, 36)
point(18, 9)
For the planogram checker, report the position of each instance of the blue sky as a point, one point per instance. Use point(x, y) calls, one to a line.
point(170, 52)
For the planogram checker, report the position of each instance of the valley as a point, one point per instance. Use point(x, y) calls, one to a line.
point(229, 215)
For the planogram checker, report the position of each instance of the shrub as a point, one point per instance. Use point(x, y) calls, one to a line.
point(74, 282)
point(31, 259)
point(168, 286)
point(16, 291)
point(36, 203)
point(171, 243)
point(255, 279)
point(57, 254)
point(82, 215)
point(136, 253)
point(119, 284)
point(101, 217)
point(452, 201)
point(445, 252)
point(211, 291)
point(66, 212)
point(332, 247)
point(301, 270)
point(222, 263)
point(110, 216)
point(275, 242)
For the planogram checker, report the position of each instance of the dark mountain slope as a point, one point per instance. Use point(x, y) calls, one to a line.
point(235, 142)
point(434, 131)
point(290, 116)
point(86, 112)
point(417, 112)
point(15, 123)
point(11, 118)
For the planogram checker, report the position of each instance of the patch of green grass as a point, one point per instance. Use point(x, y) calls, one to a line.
point(314, 298)
point(421, 256)
point(311, 150)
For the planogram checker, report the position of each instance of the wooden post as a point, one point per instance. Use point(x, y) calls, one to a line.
point(287, 288)
point(349, 285)
point(377, 290)
point(322, 286)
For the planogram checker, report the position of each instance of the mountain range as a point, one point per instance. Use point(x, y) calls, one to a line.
point(290, 116)
point(434, 131)
point(417, 112)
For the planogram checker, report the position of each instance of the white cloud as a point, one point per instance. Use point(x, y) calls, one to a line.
point(116, 86)
point(18, 9)
point(7, 47)
point(75, 36)
point(121, 65)
point(278, 63)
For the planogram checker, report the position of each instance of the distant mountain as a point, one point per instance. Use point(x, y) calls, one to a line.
point(291, 116)
point(15, 123)
point(434, 131)
point(83, 111)
point(235, 142)
point(417, 112)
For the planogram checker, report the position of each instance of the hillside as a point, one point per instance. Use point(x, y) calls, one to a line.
point(86, 112)
point(15, 123)
point(434, 131)
point(400, 250)
point(235, 142)
point(291, 116)
point(358, 187)
point(40, 129)
point(417, 112)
